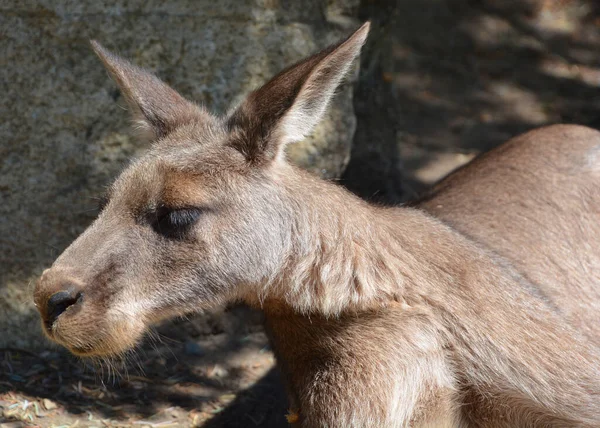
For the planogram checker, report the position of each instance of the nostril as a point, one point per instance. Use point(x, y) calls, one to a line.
point(58, 303)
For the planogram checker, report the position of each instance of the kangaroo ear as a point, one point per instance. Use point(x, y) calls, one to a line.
point(291, 104)
point(156, 107)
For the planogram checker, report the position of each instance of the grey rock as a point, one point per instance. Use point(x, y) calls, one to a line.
point(63, 136)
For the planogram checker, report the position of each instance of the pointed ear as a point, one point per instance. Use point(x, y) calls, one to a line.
point(291, 104)
point(156, 107)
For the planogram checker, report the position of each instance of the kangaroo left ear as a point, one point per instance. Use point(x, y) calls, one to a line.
point(291, 104)
point(156, 106)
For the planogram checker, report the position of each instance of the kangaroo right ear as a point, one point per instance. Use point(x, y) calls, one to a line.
point(157, 108)
point(289, 106)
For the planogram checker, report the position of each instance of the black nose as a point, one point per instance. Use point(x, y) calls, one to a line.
point(58, 303)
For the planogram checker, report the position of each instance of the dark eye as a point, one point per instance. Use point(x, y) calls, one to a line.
point(174, 223)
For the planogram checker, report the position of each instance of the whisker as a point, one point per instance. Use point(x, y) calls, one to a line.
point(86, 211)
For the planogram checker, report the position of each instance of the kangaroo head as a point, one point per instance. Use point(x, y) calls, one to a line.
point(204, 217)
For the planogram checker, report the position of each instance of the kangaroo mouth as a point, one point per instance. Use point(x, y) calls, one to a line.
point(90, 332)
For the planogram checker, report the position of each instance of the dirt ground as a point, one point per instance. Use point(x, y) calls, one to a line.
point(214, 370)
point(441, 81)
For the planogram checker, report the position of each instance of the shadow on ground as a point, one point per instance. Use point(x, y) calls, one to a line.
point(262, 405)
point(216, 369)
point(443, 80)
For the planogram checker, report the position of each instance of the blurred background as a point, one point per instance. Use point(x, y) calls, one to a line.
point(439, 82)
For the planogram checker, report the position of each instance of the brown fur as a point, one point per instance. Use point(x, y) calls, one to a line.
point(476, 306)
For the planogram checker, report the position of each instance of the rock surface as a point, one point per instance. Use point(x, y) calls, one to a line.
point(63, 136)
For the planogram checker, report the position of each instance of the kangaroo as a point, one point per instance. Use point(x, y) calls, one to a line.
point(476, 306)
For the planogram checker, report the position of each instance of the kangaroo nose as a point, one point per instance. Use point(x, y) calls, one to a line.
point(58, 303)
point(56, 291)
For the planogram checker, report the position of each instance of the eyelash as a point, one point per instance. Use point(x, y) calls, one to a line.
point(174, 223)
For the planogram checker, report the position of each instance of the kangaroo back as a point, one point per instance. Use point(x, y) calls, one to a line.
point(535, 200)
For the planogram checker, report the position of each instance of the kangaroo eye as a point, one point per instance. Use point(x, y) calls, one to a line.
point(174, 223)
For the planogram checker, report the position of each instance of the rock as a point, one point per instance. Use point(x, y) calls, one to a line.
point(64, 138)
point(217, 371)
point(49, 404)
